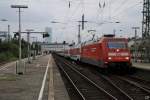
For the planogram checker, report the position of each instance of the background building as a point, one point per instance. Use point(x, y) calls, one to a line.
point(53, 47)
point(48, 39)
point(4, 36)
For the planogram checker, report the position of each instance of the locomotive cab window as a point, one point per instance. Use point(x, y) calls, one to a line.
point(113, 45)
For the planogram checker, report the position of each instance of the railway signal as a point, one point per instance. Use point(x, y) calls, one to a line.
point(45, 35)
point(16, 34)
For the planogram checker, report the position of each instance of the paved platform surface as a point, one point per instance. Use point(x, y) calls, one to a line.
point(23, 87)
point(57, 90)
point(28, 85)
point(145, 66)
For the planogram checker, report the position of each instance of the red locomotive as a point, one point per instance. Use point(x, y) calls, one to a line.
point(107, 52)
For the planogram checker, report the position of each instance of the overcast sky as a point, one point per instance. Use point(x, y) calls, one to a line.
point(100, 14)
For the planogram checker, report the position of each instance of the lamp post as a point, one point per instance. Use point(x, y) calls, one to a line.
point(28, 39)
point(34, 47)
point(19, 7)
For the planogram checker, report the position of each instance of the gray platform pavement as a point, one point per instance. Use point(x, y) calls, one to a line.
point(11, 66)
point(26, 86)
point(145, 66)
point(57, 90)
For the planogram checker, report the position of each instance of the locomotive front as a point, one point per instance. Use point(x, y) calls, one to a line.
point(117, 53)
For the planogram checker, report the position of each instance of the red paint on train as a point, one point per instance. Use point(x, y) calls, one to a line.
point(104, 53)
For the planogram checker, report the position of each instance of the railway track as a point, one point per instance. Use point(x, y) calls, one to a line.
point(136, 91)
point(121, 87)
point(87, 89)
point(102, 83)
point(143, 83)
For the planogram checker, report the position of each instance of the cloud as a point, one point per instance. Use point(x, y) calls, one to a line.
point(41, 12)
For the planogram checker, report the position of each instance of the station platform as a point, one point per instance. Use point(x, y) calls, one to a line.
point(57, 90)
point(31, 85)
point(145, 66)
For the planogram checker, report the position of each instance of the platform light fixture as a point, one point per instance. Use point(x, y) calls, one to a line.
point(19, 7)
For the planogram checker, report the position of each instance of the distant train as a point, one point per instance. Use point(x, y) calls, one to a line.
point(107, 52)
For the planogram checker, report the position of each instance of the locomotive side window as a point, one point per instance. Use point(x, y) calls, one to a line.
point(113, 45)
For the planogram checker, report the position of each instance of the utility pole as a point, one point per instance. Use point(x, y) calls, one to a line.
point(34, 47)
point(135, 28)
point(28, 39)
point(135, 41)
point(29, 48)
point(82, 22)
point(79, 36)
point(19, 14)
point(114, 31)
point(8, 33)
point(146, 30)
point(146, 19)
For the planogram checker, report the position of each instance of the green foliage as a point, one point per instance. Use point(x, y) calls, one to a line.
point(6, 56)
point(10, 50)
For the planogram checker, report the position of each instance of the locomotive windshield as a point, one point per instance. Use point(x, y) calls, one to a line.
point(113, 45)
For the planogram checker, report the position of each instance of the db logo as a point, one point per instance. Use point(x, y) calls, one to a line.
point(118, 54)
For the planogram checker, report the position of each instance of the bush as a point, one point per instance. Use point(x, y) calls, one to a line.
point(10, 50)
point(3, 57)
point(7, 56)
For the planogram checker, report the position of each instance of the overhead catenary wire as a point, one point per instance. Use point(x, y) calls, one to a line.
point(121, 5)
point(83, 6)
point(100, 11)
point(72, 13)
point(111, 11)
point(81, 2)
point(124, 5)
point(122, 11)
point(123, 8)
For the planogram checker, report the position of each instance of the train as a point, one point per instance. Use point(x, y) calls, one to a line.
point(108, 52)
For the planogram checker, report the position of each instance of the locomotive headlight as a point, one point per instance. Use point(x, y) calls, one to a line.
point(109, 58)
point(127, 58)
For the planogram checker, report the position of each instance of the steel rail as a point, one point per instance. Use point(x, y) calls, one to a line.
point(60, 60)
point(107, 79)
point(142, 82)
point(136, 85)
point(70, 80)
point(110, 82)
point(140, 79)
point(133, 83)
point(93, 83)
